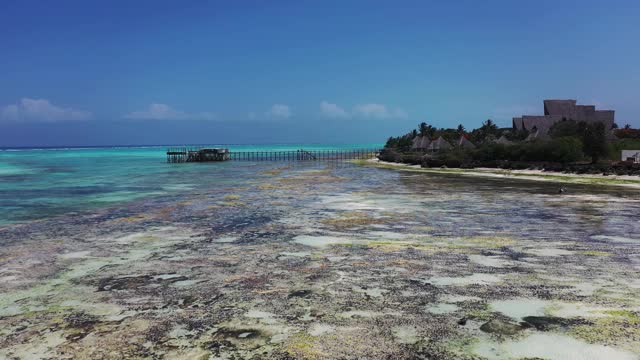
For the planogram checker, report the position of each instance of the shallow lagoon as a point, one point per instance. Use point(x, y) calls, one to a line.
point(314, 261)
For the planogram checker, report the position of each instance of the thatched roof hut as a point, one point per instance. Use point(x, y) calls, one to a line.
point(416, 142)
point(464, 143)
point(439, 144)
point(504, 141)
point(421, 143)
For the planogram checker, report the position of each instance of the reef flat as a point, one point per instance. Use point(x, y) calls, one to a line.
point(344, 262)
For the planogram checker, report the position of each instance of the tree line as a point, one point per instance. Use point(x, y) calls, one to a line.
point(567, 141)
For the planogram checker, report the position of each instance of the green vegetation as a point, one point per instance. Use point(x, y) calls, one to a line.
point(623, 144)
point(567, 146)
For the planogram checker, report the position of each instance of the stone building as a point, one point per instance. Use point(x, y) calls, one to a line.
point(558, 110)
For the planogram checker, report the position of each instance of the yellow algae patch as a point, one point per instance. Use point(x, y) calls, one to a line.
point(236, 188)
point(317, 172)
point(268, 186)
point(133, 218)
point(232, 203)
point(424, 228)
point(594, 253)
point(351, 219)
point(489, 241)
point(390, 245)
point(232, 197)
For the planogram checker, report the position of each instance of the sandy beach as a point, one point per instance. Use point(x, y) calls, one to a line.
point(537, 175)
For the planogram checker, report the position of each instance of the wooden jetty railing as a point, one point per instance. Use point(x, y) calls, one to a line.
point(196, 154)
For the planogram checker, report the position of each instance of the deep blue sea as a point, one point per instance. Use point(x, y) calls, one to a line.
point(38, 183)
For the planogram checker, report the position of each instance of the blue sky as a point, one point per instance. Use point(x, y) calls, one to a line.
point(160, 72)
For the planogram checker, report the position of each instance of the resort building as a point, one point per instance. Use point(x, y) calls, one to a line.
point(558, 110)
point(631, 155)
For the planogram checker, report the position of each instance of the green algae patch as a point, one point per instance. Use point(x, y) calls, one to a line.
point(631, 315)
point(232, 197)
point(304, 346)
point(479, 314)
point(620, 330)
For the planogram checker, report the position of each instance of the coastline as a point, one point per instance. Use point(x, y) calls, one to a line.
point(535, 175)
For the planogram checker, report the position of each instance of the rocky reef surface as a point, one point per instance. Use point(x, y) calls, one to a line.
point(346, 262)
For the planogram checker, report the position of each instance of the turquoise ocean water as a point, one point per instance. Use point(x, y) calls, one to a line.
point(38, 183)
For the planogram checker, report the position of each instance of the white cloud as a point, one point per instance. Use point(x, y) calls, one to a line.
point(157, 111)
point(379, 111)
point(333, 110)
point(279, 111)
point(41, 110)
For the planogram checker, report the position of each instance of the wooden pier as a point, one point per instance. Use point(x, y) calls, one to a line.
point(196, 154)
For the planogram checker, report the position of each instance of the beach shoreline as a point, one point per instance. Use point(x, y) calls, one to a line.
point(535, 175)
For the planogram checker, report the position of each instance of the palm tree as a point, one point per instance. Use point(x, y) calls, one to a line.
point(423, 128)
point(489, 125)
point(461, 130)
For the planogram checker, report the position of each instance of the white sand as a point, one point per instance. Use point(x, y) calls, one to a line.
point(538, 175)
